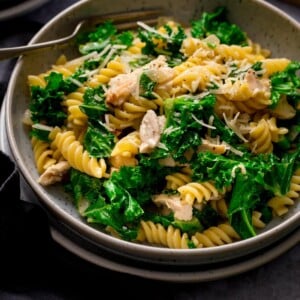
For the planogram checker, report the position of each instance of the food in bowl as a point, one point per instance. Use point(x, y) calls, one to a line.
point(173, 136)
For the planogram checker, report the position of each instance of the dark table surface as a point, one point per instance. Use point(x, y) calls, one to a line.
point(45, 270)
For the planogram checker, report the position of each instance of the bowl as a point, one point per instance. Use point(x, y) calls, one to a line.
point(256, 18)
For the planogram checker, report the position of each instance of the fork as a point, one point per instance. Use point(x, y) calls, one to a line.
point(123, 21)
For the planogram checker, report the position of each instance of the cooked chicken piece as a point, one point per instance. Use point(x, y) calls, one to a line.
point(121, 87)
point(124, 85)
point(243, 89)
point(182, 211)
point(54, 173)
point(150, 131)
point(255, 84)
point(159, 71)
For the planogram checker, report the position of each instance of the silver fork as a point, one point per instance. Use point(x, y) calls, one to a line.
point(123, 21)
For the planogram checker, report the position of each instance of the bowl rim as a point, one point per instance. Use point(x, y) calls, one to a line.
point(145, 251)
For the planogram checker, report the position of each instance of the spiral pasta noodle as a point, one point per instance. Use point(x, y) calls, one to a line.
point(75, 116)
point(217, 236)
point(79, 158)
point(157, 234)
point(113, 68)
point(43, 155)
point(195, 191)
point(123, 154)
point(130, 113)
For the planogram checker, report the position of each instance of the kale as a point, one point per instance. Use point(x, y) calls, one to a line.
point(40, 134)
point(147, 86)
point(269, 171)
point(103, 35)
point(86, 190)
point(287, 83)
point(185, 126)
point(189, 226)
point(244, 197)
point(249, 176)
point(207, 216)
point(45, 103)
point(94, 103)
point(101, 203)
point(216, 23)
point(112, 215)
point(183, 130)
point(127, 192)
point(70, 84)
point(124, 38)
point(98, 141)
point(167, 44)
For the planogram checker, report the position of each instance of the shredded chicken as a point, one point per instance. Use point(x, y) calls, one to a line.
point(150, 131)
point(182, 211)
point(121, 87)
point(255, 84)
point(54, 173)
point(124, 85)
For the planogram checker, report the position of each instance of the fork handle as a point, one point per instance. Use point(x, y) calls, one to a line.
point(6, 53)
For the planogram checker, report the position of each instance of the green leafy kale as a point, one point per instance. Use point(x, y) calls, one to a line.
point(105, 34)
point(183, 130)
point(249, 176)
point(40, 134)
point(184, 127)
point(86, 190)
point(216, 23)
point(171, 42)
point(207, 217)
point(147, 86)
point(45, 103)
point(286, 83)
point(98, 141)
point(269, 171)
point(94, 103)
point(126, 192)
point(99, 202)
point(245, 196)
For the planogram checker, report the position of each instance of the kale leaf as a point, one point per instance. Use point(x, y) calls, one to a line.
point(98, 141)
point(216, 23)
point(45, 103)
point(286, 83)
point(167, 44)
point(94, 103)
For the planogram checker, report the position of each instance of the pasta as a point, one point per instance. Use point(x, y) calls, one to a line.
point(216, 236)
point(157, 234)
point(170, 136)
point(280, 204)
point(73, 152)
point(195, 191)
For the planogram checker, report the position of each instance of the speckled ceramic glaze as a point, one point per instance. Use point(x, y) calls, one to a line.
point(265, 24)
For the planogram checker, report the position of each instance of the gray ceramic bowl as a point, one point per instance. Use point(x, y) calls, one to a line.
point(264, 24)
